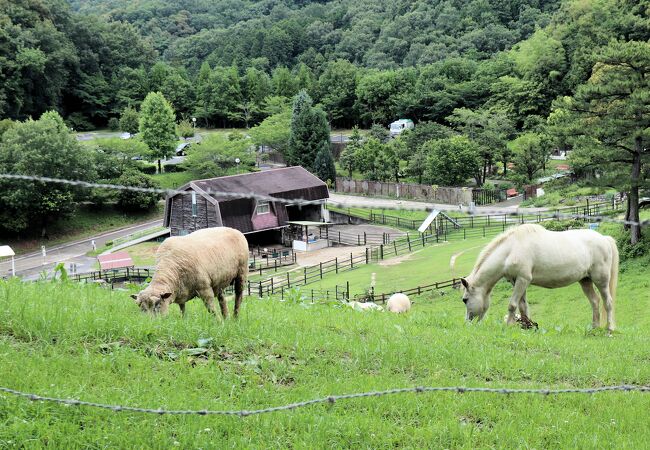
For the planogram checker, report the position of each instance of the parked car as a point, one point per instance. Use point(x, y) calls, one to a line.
point(397, 127)
point(182, 148)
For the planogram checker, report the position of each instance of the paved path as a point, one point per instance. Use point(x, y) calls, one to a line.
point(371, 202)
point(30, 265)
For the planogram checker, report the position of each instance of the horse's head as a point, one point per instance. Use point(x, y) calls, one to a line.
point(476, 300)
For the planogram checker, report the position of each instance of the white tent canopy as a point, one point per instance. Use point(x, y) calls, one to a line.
point(5, 251)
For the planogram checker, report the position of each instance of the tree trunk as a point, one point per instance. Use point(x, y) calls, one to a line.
point(159, 166)
point(633, 198)
point(505, 168)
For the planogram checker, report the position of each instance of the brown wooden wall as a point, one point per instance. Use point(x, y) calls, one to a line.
point(181, 219)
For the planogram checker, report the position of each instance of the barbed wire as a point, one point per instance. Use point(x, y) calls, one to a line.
point(475, 211)
point(331, 399)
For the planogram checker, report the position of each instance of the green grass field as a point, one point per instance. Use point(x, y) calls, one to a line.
point(87, 342)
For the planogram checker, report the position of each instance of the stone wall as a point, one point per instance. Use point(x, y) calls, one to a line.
point(440, 194)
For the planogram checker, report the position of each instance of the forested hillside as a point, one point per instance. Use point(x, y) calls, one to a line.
point(372, 33)
point(363, 61)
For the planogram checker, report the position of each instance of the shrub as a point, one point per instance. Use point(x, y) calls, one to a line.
point(185, 129)
point(563, 225)
point(149, 169)
point(169, 168)
point(78, 122)
point(113, 124)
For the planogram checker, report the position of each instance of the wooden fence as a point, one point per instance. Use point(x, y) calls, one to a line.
point(372, 296)
point(441, 194)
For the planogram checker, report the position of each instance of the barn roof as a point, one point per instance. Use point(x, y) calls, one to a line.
point(287, 182)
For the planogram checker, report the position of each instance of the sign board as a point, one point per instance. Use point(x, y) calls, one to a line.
point(429, 220)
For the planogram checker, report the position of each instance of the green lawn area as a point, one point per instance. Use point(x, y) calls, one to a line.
point(92, 343)
point(86, 222)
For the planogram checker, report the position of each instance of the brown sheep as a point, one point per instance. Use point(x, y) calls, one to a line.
point(201, 264)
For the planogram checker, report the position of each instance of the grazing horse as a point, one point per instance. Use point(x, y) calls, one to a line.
point(530, 254)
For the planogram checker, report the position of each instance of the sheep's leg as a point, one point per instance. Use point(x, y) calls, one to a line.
point(239, 293)
point(222, 303)
point(208, 299)
point(588, 289)
point(182, 307)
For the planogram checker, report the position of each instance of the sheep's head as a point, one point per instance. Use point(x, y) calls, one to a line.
point(152, 302)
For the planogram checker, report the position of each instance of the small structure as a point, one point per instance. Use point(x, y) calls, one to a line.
point(117, 260)
point(397, 127)
point(307, 241)
point(263, 222)
point(6, 251)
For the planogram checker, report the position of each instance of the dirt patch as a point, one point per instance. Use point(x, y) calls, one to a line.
point(396, 260)
point(327, 254)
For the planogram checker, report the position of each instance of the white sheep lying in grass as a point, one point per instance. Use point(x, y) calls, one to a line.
point(398, 303)
point(364, 306)
point(201, 264)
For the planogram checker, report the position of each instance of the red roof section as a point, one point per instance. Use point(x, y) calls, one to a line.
point(115, 260)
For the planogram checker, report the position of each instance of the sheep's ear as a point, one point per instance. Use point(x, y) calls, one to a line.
point(165, 296)
point(465, 283)
point(134, 296)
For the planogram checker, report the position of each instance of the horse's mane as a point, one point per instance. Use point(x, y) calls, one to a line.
point(497, 241)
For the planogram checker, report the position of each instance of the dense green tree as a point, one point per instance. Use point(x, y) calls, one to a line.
point(348, 156)
point(137, 200)
point(44, 147)
point(451, 161)
point(273, 132)
point(284, 84)
point(607, 120)
point(310, 132)
point(130, 120)
point(218, 156)
point(337, 91)
point(158, 126)
point(324, 167)
point(490, 129)
point(530, 152)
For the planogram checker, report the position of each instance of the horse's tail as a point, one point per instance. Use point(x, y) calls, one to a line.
point(613, 275)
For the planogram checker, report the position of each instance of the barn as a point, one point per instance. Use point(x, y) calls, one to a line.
point(263, 222)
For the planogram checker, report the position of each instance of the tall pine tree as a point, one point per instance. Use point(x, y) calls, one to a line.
point(310, 132)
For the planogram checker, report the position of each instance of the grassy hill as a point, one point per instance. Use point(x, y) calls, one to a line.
point(81, 341)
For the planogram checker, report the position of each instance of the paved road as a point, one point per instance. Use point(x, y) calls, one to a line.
point(29, 266)
point(371, 202)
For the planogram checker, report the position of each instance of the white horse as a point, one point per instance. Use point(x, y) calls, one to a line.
point(530, 254)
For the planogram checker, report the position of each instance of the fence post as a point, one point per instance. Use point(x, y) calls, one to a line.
point(365, 238)
point(336, 264)
point(422, 235)
point(381, 251)
point(464, 234)
point(408, 240)
point(336, 291)
point(260, 288)
point(347, 290)
point(305, 273)
point(320, 264)
point(351, 261)
point(395, 246)
point(249, 287)
point(288, 280)
point(366, 255)
point(358, 239)
point(272, 285)
point(483, 231)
